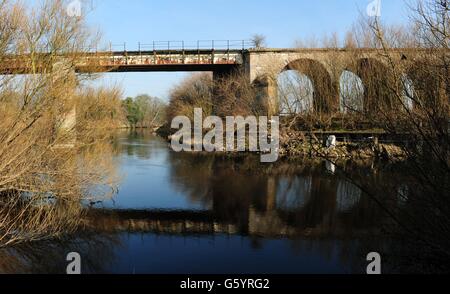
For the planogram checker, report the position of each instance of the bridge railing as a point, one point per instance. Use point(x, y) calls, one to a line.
point(154, 53)
point(172, 52)
point(176, 45)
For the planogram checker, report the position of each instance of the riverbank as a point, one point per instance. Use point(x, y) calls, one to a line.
point(297, 144)
point(169, 202)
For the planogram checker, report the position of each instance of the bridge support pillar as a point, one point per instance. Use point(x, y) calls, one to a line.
point(64, 85)
point(69, 120)
point(271, 198)
point(267, 94)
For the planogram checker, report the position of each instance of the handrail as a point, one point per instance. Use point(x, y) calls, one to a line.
point(167, 52)
point(179, 45)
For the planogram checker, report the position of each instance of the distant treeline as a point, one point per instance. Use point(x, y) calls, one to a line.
point(144, 111)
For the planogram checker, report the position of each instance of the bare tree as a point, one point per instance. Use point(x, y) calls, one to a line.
point(235, 95)
point(411, 97)
point(258, 41)
point(48, 160)
point(194, 91)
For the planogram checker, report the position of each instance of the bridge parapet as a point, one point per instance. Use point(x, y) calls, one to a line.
point(324, 67)
point(124, 61)
point(163, 57)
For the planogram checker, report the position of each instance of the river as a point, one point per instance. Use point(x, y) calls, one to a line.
point(195, 213)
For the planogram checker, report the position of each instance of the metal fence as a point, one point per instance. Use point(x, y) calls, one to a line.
point(170, 52)
point(180, 46)
point(207, 52)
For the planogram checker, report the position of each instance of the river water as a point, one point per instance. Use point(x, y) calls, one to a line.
point(187, 213)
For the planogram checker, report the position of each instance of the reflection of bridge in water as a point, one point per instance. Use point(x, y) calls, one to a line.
point(338, 211)
point(239, 196)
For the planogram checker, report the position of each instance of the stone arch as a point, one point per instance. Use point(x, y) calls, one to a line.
point(425, 80)
point(266, 94)
point(377, 82)
point(408, 91)
point(351, 92)
point(295, 92)
point(325, 94)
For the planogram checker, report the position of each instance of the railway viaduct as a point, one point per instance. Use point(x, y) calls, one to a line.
point(323, 67)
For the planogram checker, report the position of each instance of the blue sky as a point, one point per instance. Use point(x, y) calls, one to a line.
point(281, 21)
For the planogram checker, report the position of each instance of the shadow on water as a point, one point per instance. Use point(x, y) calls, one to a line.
point(197, 213)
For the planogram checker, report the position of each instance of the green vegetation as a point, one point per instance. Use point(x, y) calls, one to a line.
point(144, 111)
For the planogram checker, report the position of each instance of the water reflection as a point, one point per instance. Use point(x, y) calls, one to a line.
point(97, 251)
point(187, 213)
point(309, 201)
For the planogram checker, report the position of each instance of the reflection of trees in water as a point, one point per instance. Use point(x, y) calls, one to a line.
point(421, 238)
point(301, 196)
point(190, 174)
point(293, 192)
point(315, 204)
point(96, 251)
point(396, 190)
point(220, 181)
point(28, 214)
point(331, 216)
point(348, 195)
point(233, 193)
point(318, 213)
point(304, 196)
point(307, 199)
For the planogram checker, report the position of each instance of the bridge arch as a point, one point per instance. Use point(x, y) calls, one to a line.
point(351, 92)
point(324, 93)
point(408, 93)
point(295, 92)
point(424, 78)
point(377, 82)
